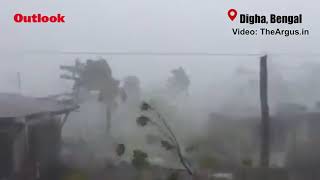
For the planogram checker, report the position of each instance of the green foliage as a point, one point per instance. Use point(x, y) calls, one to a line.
point(167, 145)
point(120, 149)
point(163, 127)
point(144, 106)
point(93, 75)
point(96, 74)
point(179, 81)
point(140, 159)
point(143, 120)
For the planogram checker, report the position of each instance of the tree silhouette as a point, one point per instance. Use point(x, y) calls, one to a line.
point(95, 75)
point(179, 82)
point(170, 142)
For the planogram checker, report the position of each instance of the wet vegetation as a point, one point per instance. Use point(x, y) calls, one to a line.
point(125, 130)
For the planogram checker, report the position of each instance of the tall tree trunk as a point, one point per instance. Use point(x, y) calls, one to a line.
point(108, 118)
point(265, 119)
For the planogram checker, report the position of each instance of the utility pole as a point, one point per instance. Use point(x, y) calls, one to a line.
point(73, 73)
point(265, 119)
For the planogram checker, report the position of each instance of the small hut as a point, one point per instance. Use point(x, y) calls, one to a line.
point(30, 134)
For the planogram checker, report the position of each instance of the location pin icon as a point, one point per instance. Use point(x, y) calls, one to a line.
point(232, 13)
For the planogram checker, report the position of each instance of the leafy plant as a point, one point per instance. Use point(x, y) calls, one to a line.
point(170, 143)
point(145, 106)
point(140, 159)
point(120, 149)
point(167, 145)
point(143, 120)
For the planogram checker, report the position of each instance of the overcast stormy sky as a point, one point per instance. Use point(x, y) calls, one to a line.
point(143, 25)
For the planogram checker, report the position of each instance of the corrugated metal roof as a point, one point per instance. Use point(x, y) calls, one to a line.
point(15, 105)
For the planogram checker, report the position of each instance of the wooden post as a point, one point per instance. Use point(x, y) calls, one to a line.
point(265, 119)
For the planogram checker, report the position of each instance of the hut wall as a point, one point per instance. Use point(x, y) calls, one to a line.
point(44, 141)
point(19, 150)
point(5, 155)
point(12, 147)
